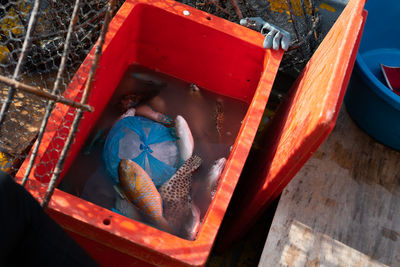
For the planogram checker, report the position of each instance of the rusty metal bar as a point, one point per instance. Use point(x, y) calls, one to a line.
point(291, 12)
point(237, 9)
point(211, 2)
point(50, 105)
point(60, 163)
point(307, 19)
point(314, 19)
point(21, 60)
point(306, 38)
point(41, 93)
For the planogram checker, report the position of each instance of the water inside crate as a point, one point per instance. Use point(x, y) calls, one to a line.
point(214, 121)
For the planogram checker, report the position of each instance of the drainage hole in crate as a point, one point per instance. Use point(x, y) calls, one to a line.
point(208, 17)
point(106, 221)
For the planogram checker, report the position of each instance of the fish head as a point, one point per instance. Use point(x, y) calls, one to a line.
point(192, 225)
point(219, 164)
point(127, 171)
point(131, 175)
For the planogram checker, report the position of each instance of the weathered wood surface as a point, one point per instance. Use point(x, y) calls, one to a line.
point(342, 208)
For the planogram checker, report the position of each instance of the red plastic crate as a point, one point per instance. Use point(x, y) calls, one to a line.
point(213, 53)
point(300, 125)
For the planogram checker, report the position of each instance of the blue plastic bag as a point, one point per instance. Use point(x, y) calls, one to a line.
point(145, 142)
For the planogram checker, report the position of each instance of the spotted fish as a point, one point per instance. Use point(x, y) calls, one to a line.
point(141, 191)
point(175, 194)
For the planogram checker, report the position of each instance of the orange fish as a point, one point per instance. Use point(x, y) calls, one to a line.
point(140, 190)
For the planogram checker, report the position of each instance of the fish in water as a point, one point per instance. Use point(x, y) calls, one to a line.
point(129, 113)
point(192, 226)
point(135, 99)
point(214, 175)
point(219, 117)
point(185, 139)
point(141, 191)
point(126, 208)
point(148, 112)
point(175, 194)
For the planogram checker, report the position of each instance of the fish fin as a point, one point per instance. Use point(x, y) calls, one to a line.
point(119, 191)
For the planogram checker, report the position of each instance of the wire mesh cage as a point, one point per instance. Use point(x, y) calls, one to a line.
point(43, 42)
point(301, 18)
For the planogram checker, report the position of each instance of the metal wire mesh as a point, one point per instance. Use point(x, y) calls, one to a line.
point(299, 17)
point(42, 43)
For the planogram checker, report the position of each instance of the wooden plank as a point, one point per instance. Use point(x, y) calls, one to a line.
point(342, 208)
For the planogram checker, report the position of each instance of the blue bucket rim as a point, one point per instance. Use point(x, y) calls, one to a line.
point(377, 86)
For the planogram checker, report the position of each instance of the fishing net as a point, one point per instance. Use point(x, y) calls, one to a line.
point(148, 143)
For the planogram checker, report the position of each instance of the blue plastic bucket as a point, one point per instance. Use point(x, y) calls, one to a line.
point(369, 101)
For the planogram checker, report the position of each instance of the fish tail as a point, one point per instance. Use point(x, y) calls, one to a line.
point(162, 223)
point(192, 164)
point(159, 221)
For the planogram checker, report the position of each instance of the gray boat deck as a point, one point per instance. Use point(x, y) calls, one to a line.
point(342, 208)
